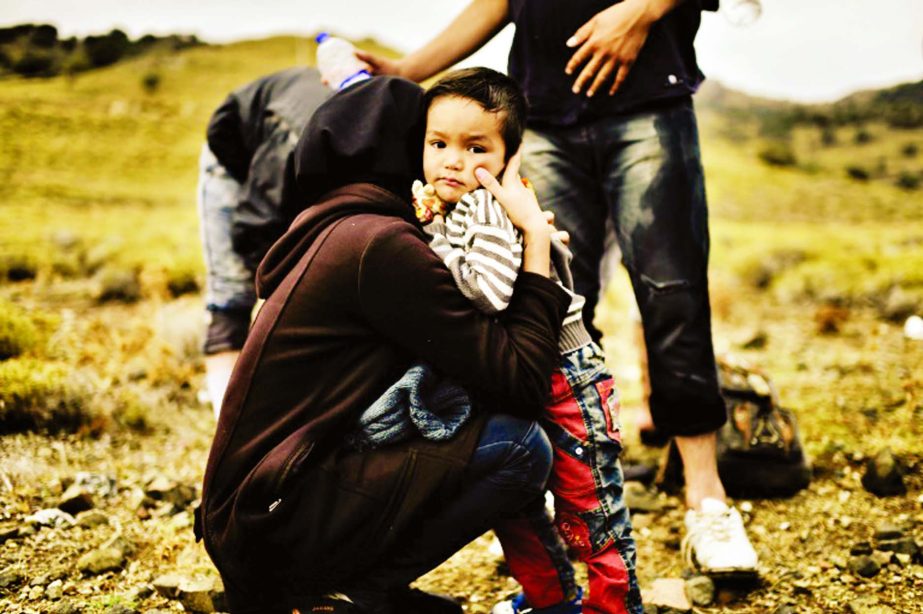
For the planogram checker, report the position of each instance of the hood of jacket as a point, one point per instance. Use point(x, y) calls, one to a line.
point(359, 153)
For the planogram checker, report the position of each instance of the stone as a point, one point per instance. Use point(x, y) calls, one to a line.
point(55, 590)
point(882, 558)
point(96, 483)
point(121, 543)
point(101, 560)
point(195, 595)
point(666, 594)
point(701, 591)
point(91, 519)
point(860, 548)
point(864, 566)
point(904, 545)
point(36, 593)
point(888, 530)
point(884, 475)
point(52, 517)
point(142, 592)
point(10, 578)
point(640, 499)
point(76, 499)
point(7, 532)
point(902, 559)
point(868, 604)
point(167, 585)
point(784, 609)
point(163, 489)
point(66, 607)
point(120, 608)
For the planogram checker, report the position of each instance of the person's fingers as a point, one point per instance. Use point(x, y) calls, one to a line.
point(580, 35)
point(587, 73)
point(562, 235)
point(580, 56)
point(602, 75)
point(374, 64)
point(620, 77)
point(489, 182)
point(511, 174)
point(549, 217)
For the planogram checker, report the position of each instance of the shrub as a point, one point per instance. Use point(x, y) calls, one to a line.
point(107, 49)
point(910, 150)
point(18, 267)
point(38, 395)
point(863, 136)
point(778, 153)
point(44, 35)
point(34, 63)
point(117, 284)
point(150, 82)
point(18, 334)
point(858, 173)
point(908, 181)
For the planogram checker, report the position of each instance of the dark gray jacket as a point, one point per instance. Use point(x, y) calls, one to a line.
point(252, 134)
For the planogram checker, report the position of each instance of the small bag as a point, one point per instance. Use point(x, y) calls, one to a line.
point(759, 450)
point(760, 454)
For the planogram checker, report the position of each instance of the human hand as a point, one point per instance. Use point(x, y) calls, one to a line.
point(561, 235)
point(517, 200)
point(379, 65)
point(610, 43)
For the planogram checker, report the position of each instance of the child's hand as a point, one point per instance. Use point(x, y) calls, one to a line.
point(518, 200)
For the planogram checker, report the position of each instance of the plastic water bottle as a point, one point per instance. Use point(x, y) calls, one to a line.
point(337, 62)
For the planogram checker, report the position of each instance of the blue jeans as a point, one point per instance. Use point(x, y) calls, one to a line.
point(508, 469)
point(643, 172)
point(229, 288)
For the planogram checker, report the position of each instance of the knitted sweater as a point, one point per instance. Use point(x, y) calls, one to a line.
point(483, 250)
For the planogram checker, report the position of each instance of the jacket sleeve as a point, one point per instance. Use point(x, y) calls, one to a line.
point(483, 250)
point(226, 139)
point(409, 296)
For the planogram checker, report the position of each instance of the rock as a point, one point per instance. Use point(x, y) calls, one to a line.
point(888, 530)
point(96, 483)
point(898, 305)
point(55, 590)
point(884, 475)
point(162, 489)
point(860, 548)
point(641, 500)
point(882, 558)
point(700, 590)
point(142, 592)
point(195, 595)
point(904, 545)
point(76, 499)
point(101, 560)
point(867, 604)
point(36, 593)
point(666, 594)
point(67, 607)
point(864, 566)
point(784, 609)
point(650, 609)
point(120, 608)
point(91, 519)
point(167, 585)
point(121, 543)
point(115, 284)
point(10, 578)
point(52, 517)
point(902, 559)
point(8, 531)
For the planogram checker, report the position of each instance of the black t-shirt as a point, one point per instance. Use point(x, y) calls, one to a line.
point(665, 68)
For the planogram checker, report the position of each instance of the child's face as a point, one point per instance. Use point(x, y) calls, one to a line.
point(460, 137)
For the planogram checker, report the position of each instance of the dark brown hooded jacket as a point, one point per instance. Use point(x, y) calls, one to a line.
point(353, 295)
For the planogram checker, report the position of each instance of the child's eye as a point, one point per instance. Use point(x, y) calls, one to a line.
point(477, 149)
point(438, 144)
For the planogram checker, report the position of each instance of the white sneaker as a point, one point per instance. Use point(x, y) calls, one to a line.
point(716, 542)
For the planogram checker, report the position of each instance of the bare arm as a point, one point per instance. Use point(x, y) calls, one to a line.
point(467, 33)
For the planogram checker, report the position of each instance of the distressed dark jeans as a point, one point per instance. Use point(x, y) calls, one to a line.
point(643, 172)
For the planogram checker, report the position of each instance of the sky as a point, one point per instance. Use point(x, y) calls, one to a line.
point(805, 50)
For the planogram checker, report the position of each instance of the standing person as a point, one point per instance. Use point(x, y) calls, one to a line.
point(291, 517)
point(242, 178)
point(612, 133)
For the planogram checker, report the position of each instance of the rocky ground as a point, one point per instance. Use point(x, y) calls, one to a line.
point(101, 521)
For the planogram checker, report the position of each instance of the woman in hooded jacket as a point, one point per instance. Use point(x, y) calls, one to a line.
point(293, 518)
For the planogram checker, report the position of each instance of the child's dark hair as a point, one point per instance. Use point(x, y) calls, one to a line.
point(495, 92)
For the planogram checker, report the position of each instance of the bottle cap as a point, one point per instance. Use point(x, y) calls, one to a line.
point(321, 37)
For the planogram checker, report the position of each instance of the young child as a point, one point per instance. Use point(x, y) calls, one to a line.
point(475, 119)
